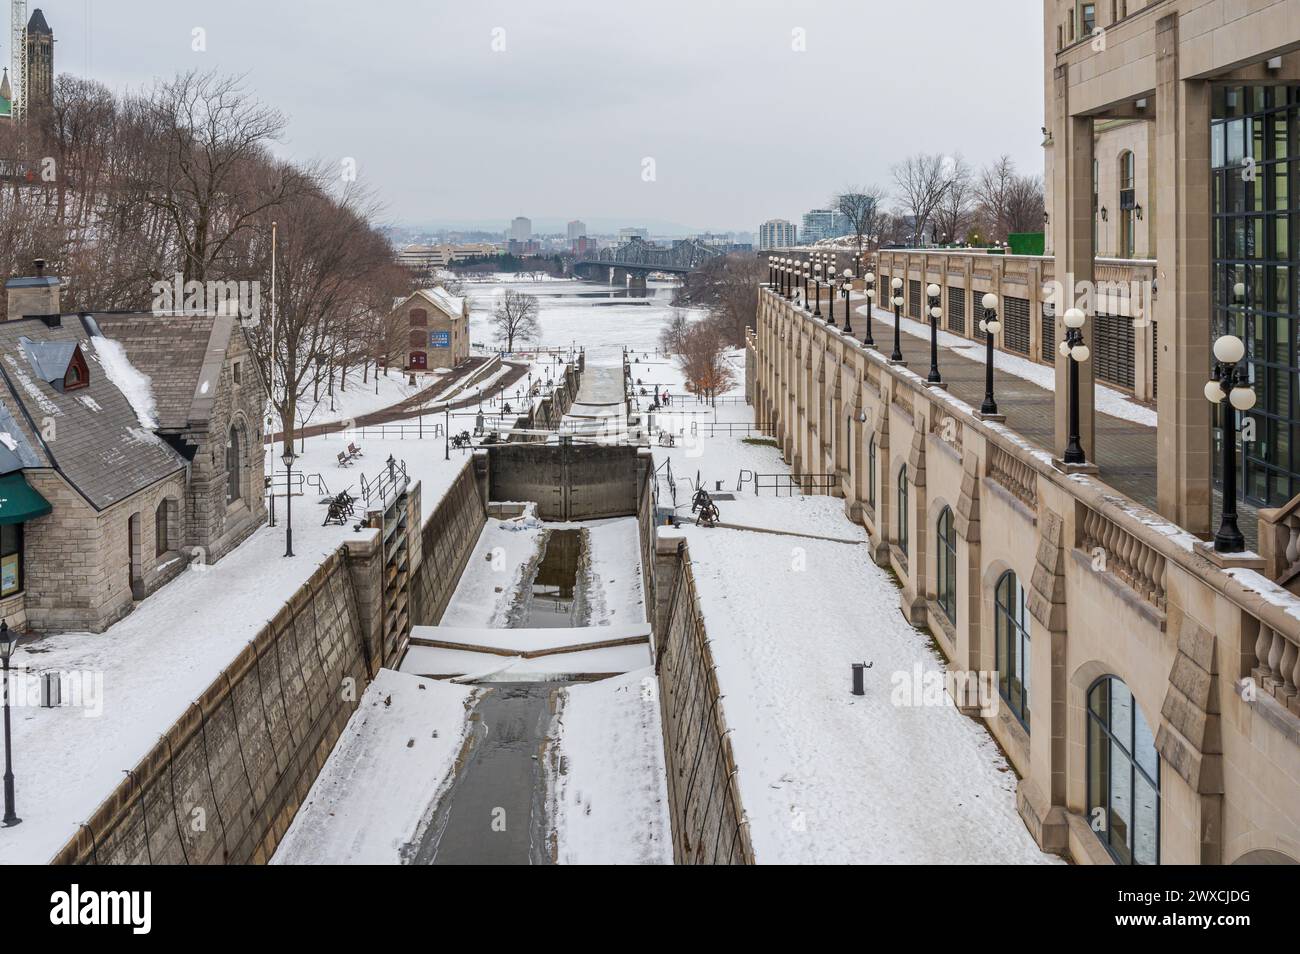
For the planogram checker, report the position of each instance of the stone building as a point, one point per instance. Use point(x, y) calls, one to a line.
point(1145, 696)
point(130, 448)
point(1145, 688)
point(437, 323)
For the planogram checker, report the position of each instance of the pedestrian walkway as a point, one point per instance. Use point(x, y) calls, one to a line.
point(1125, 451)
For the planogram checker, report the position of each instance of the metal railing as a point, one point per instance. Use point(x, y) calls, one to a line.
point(806, 484)
point(412, 431)
point(387, 485)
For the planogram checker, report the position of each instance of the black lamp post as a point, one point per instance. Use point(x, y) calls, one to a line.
point(446, 433)
point(1076, 352)
point(870, 280)
point(830, 295)
point(817, 289)
point(846, 288)
point(1230, 381)
point(936, 312)
point(807, 274)
point(288, 457)
point(990, 325)
point(8, 640)
point(897, 285)
point(771, 273)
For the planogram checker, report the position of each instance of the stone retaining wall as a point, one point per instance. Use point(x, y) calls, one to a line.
point(225, 781)
point(708, 821)
point(447, 540)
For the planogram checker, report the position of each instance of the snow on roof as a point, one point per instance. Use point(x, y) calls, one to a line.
point(134, 385)
point(453, 306)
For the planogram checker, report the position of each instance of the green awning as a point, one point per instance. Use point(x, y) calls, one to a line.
point(18, 501)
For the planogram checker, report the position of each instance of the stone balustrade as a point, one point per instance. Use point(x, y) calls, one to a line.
point(1111, 590)
point(1024, 285)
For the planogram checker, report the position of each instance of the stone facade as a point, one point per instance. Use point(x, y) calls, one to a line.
point(438, 327)
point(1112, 592)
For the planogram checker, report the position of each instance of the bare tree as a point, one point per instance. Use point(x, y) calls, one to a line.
point(954, 213)
point(673, 337)
point(922, 181)
point(1025, 205)
point(515, 318)
point(727, 285)
point(992, 191)
point(862, 207)
point(703, 360)
point(210, 173)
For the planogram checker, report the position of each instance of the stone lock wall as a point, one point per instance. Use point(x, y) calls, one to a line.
point(446, 542)
point(223, 784)
point(708, 821)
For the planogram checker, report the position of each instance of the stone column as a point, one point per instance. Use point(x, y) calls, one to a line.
point(1073, 180)
point(1184, 465)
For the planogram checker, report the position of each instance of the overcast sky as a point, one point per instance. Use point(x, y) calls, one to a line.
point(448, 128)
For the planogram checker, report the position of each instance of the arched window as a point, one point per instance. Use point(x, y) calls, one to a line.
point(1123, 775)
point(902, 510)
point(871, 472)
point(234, 469)
point(419, 318)
point(1011, 630)
point(946, 569)
point(160, 529)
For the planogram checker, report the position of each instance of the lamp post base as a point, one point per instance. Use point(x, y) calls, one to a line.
point(992, 417)
point(937, 384)
point(1242, 559)
point(897, 363)
point(1066, 467)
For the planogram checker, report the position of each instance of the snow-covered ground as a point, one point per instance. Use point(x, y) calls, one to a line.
point(610, 798)
point(358, 398)
point(1108, 400)
point(379, 785)
point(825, 776)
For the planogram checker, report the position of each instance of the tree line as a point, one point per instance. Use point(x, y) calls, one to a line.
point(942, 200)
point(120, 193)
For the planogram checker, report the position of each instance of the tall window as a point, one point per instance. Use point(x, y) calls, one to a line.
point(871, 473)
point(233, 458)
point(902, 510)
point(160, 529)
point(1011, 632)
point(1088, 18)
point(1255, 240)
point(1127, 205)
point(1123, 775)
point(946, 568)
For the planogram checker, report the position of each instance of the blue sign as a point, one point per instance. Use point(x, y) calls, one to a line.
point(439, 339)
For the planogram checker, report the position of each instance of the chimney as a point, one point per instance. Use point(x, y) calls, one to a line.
point(36, 296)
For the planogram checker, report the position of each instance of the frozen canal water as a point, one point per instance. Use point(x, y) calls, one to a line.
point(534, 752)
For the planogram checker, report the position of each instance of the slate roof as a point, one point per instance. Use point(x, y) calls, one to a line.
point(179, 354)
point(37, 24)
point(91, 435)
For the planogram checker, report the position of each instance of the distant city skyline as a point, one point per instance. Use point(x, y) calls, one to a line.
point(527, 103)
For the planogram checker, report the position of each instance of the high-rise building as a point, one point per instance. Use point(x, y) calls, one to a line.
point(821, 224)
point(521, 229)
point(626, 235)
point(576, 230)
point(39, 89)
point(777, 233)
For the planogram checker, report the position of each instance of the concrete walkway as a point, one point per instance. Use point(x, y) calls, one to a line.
point(1125, 451)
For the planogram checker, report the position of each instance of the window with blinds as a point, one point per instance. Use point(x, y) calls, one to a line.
point(957, 310)
point(1112, 349)
point(1049, 333)
point(1015, 324)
